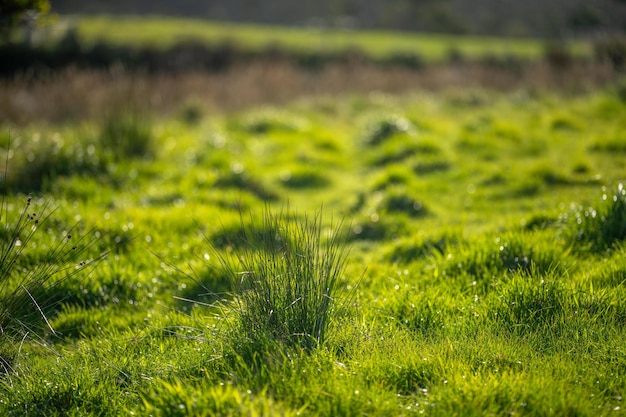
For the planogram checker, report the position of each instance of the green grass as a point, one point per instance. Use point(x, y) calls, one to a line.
point(165, 31)
point(479, 268)
point(285, 276)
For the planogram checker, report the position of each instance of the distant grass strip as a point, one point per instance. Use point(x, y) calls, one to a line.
point(164, 32)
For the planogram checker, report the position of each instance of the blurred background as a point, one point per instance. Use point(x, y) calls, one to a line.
point(69, 60)
point(535, 18)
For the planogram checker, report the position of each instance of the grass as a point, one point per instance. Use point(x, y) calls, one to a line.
point(286, 276)
point(29, 285)
point(485, 232)
point(163, 32)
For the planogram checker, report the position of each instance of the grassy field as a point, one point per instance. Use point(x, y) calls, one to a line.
point(164, 32)
point(446, 254)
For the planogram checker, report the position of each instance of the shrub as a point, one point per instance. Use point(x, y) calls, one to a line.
point(286, 281)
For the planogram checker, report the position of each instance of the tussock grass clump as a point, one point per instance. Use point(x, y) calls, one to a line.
point(268, 121)
point(286, 282)
point(616, 145)
point(392, 175)
point(384, 129)
point(376, 227)
point(126, 135)
point(244, 181)
point(488, 260)
point(304, 177)
point(414, 248)
point(611, 272)
point(393, 152)
point(422, 313)
point(431, 165)
point(400, 201)
point(530, 304)
point(27, 291)
point(600, 229)
point(550, 175)
point(38, 160)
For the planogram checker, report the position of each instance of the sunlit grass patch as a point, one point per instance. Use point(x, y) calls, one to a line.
point(240, 179)
point(530, 304)
point(203, 399)
point(479, 280)
point(610, 272)
point(418, 247)
point(377, 228)
point(616, 145)
point(483, 263)
point(304, 177)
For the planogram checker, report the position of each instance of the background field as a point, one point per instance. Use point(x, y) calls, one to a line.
point(163, 32)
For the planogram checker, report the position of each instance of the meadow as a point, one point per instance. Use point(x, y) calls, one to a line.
point(458, 252)
point(164, 32)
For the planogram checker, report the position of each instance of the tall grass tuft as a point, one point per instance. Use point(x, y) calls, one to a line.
point(126, 135)
point(24, 285)
point(286, 273)
point(600, 229)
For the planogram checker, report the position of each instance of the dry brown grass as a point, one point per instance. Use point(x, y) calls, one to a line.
point(74, 95)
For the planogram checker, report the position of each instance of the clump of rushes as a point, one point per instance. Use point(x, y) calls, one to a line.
point(599, 229)
point(286, 280)
point(24, 288)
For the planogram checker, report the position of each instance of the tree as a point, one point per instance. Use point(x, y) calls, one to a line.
point(14, 13)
